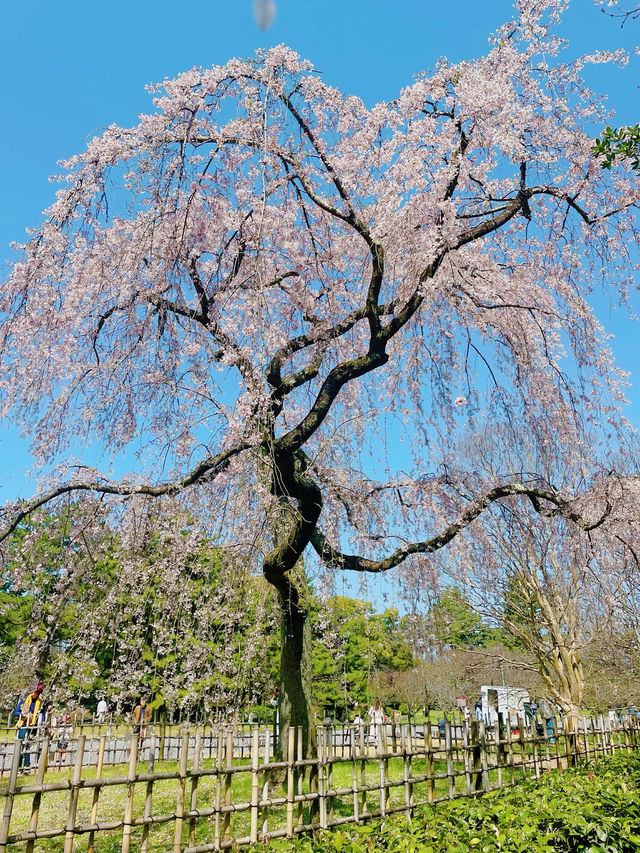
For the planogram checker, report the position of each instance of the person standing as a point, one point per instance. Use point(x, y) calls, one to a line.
point(141, 718)
point(63, 736)
point(101, 711)
point(547, 713)
point(358, 724)
point(376, 720)
point(29, 718)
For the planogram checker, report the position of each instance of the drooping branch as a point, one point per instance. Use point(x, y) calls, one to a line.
point(560, 505)
point(205, 471)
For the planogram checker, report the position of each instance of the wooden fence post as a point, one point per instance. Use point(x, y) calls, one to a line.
point(476, 756)
point(428, 760)
point(291, 791)
point(299, 775)
point(466, 755)
point(382, 776)
point(128, 803)
point(218, 791)
point(73, 799)
point(323, 734)
point(182, 783)
point(148, 795)
point(329, 756)
point(499, 737)
point(570, 740)
point(228, 780)
point(364, 748)
point(448, 746)
point(37, 797)
point(484, 757)
point(394, 734)
point(255, 789)
point(355, 733)
point(314, 803)
point(194, 788)
point(9, 796)
point(407, 767)
point(556, 742)
point(600, 735)
point(523, 748)
point(96, 792)
point(266, 757)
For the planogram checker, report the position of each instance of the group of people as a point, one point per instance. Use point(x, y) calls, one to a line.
point(377, 718)
point(37, 718)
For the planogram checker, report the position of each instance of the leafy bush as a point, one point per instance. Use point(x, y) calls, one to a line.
point(594, 809)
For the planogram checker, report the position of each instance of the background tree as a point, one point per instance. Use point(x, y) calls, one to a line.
point(351, 644)
point(456, 624)
point(117, 613)
point(256, 275)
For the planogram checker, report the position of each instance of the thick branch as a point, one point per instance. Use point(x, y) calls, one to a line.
point(204, 471)
point(561, 506)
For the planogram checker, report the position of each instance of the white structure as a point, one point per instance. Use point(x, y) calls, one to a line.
point(502, 700)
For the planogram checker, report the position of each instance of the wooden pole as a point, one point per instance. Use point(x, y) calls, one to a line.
point(323, 733)
point(194, 788)
point(9, 796)
point(128, 803)
point(354, 773)
point(228, 780)
point(468, 779)
point(265, 783)
point(385, 748)
point(37, 797)
point(217, 804)
point(255, 787)
point(96, 792)
point(407, 767)
point(291, 791)
point(148, 797)
point(182, 783)
point(363, 770)
point(329, 775)
point(73, 800)
point(381, 773)
point(448, 745)
point(299, 775)
point(428, 760)
point(476, 757)
point(523, 749)
point(510, 753)
point(585, 738)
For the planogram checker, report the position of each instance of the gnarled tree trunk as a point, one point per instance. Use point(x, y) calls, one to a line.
point(296, 708)
point(292, 524)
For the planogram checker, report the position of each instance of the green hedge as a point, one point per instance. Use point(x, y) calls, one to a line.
point(595, 809)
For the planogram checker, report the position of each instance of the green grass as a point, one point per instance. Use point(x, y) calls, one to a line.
point(111, 803)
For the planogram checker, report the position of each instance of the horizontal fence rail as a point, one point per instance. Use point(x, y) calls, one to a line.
point(213, 789)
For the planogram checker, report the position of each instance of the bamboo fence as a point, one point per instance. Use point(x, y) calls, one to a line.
point(224, 788)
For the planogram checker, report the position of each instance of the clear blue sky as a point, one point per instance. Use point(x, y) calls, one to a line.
point(69, 68)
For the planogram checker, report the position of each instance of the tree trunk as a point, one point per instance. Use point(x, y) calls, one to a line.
point(292, 523)
point(295, 704)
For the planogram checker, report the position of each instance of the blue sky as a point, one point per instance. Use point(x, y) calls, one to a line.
point(70, 68)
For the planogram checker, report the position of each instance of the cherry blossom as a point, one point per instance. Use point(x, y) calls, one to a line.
point(263, 277)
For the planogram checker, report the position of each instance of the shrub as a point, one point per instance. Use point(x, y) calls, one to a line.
point(593, 809)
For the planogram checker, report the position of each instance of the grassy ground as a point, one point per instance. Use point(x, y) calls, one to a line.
point(111, 803)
